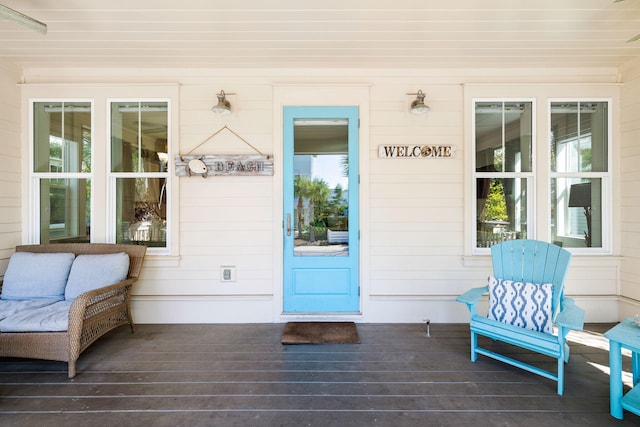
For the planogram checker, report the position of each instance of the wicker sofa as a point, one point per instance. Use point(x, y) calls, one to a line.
point(91, 314)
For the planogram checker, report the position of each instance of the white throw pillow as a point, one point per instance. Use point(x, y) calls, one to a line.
point(36, 276)
point(526, 305)
point(90, 272)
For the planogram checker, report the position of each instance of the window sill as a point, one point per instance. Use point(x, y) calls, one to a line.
point(479, 260)
point(577, 260)
point(161, 261)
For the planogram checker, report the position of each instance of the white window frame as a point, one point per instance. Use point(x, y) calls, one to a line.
point(605, 177)
point(112, 177)
point(529, 176)
point(34, 219)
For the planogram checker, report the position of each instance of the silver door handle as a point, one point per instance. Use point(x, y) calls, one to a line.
point(288, 224)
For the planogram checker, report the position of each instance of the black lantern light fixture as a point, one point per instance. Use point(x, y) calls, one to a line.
point(580, 197)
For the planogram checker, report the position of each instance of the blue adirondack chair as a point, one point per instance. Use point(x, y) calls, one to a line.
point(535, 262)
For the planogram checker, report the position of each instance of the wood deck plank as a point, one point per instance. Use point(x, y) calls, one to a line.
point(223, 375)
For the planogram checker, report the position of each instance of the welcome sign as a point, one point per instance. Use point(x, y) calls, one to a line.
point(416, 151)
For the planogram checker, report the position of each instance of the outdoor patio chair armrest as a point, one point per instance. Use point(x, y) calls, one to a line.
point(472, 296)
point(101, 299)
point(96, 311)
point(571, 316)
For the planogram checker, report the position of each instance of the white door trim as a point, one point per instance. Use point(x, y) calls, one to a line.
point(320, 95)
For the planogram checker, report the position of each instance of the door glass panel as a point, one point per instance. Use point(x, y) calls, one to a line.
point(321, 187)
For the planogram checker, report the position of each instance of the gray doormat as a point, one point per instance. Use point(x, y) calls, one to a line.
point(320, 333)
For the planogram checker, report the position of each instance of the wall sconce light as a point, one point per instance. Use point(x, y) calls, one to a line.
point(418, 106)
point(223, 106)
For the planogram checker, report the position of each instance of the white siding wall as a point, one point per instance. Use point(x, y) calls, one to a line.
point(630, 190)
point(10, 178)
point(224, 221)
point(413, 211)
point(416, 207)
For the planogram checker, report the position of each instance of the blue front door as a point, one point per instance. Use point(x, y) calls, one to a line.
point(321, 244)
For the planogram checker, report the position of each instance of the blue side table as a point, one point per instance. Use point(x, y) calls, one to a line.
point(624, 335)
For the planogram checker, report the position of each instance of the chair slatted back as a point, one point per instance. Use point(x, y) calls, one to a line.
point(532, 261)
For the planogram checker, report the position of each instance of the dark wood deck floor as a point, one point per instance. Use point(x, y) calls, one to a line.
point(240, 375)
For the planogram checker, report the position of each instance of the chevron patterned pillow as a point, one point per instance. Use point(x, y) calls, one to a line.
point(526, 305)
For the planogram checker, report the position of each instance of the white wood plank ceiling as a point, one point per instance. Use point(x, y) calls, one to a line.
point(324, 34)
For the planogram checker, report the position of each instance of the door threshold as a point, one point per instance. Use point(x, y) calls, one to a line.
point(320, 317)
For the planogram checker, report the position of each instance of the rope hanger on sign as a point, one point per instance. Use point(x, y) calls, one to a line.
point(227, 164)
point(213, 135)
